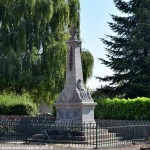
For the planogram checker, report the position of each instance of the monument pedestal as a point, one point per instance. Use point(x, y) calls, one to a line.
point(74, 102)
point(78, 112)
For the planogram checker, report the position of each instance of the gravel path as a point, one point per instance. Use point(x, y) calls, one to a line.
point(20, 146)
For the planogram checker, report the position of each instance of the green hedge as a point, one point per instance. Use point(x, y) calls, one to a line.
point(12, 104)
point(138, 108)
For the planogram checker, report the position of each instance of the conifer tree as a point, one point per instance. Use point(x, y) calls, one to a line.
point(128, 51)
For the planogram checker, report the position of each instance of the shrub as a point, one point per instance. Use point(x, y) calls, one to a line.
point(12, 104)
point(138, 108)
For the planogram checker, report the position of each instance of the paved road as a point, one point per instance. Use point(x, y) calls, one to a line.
point(63, 147)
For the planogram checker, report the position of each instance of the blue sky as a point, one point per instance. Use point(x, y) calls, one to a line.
point(94, 17)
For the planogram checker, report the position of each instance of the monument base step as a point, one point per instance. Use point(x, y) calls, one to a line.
point(69, 136)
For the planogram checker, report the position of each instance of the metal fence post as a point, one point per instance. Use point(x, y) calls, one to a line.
point(26, 136)
point(44, 131)
point(96, 137)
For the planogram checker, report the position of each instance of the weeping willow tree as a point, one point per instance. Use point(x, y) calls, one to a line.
point(87, 64)
point(33, 35)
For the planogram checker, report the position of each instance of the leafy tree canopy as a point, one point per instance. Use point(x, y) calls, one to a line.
point(87, 64)
point(33, 35)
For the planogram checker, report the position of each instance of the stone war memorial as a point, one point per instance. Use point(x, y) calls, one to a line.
point(74, 102)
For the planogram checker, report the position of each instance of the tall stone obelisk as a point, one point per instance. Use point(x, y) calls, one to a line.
point(74, 102)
